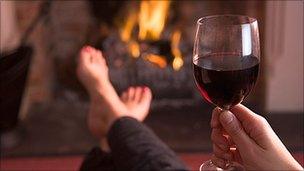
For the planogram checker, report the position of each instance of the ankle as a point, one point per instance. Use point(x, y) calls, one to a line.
point(103, 144)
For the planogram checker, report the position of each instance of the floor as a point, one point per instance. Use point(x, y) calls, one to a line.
point(55, 136)
point(71, 163)
point(60, 129)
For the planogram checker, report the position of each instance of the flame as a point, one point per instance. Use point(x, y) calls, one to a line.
point(178, 59)
point(157, 60)
point(151, 21)
point(126, 30)
point(177, 63)
point(152, 17)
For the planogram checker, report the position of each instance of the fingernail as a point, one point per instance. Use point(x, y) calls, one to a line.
point(226, 117)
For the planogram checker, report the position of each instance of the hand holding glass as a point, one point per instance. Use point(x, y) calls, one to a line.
point(226, 60)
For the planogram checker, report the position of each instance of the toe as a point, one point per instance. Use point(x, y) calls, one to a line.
point(138, 94)
point(146, 95)
point(94, 54)
point(97, 54)
point(84, 55)
point(124, 96)
point(101, 58)
point(131, 93)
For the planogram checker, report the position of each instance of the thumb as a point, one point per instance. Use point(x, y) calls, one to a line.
point(235, 130)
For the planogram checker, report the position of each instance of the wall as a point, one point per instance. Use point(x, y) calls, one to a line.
point(16, 17)
point(284, 55)
point(10, 36)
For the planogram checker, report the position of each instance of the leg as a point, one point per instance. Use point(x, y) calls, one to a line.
point(133, 145)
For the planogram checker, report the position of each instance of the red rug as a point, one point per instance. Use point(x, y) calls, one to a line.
point(71, 163)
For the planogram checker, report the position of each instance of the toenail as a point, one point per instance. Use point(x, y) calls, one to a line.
point(86, 48)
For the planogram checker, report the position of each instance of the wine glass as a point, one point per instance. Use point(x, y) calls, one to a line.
point(226, 60)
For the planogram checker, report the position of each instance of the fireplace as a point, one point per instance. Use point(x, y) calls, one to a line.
point(136, 55)
point(147, 47)
point(150, 43)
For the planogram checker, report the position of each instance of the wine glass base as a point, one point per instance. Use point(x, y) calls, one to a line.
point(208, 165)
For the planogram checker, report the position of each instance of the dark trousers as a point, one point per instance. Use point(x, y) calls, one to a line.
point(133, 147)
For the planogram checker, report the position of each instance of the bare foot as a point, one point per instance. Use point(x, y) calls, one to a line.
point(92, 70)
point(137, 101)
point(106, 106)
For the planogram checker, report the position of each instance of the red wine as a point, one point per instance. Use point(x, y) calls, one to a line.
point(225, 79)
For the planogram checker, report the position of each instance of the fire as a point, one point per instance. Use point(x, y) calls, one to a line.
point(126, 30)
point(177, 61)
point(150, 19)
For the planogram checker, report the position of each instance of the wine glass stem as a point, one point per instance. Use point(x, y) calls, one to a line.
point(231, 148)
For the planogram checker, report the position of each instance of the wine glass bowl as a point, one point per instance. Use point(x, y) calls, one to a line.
point(226, 58)
point(225, 79)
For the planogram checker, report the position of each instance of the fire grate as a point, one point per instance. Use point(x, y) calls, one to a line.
point(169, 86)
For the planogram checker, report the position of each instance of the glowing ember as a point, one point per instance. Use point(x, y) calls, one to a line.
point(157, 60)
point(134, 49)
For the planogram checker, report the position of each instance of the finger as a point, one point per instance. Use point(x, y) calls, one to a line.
point(218, 152)
point(218, 138)
point(236, 156)
point(234, 129)
point(254, 125)
point(243, 113)
point(215, 118)
point(229, 140)
point(219, 162)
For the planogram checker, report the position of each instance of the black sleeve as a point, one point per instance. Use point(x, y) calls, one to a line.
point(97, 160)
point(135, 147)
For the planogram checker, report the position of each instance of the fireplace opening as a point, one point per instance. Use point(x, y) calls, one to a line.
point(144, 44)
